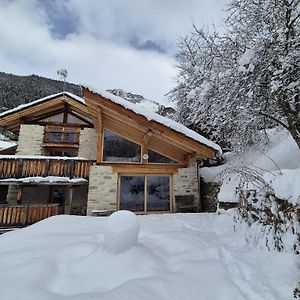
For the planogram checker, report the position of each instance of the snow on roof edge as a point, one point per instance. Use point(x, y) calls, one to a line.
point(150, 116)
point(44, 99)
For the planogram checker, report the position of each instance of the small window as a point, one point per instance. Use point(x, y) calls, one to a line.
point(63, 152)
point(157, 158)
point(119, 149)
point(60, 135)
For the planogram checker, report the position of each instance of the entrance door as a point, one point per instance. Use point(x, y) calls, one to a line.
point(144, 193)
point(58, 195)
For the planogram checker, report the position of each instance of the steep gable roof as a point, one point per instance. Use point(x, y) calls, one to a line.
point(151, 116)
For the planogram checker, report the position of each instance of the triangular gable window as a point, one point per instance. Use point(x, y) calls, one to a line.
point(55, 118)
point(157, 158)
point(118, 149)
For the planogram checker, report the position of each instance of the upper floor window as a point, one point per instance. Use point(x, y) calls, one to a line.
point(118, 149)
point(58, 135)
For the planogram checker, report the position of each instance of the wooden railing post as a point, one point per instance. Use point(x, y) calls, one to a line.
point(72, 167)
point(19, 168)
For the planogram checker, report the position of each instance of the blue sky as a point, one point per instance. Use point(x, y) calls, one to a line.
point(104, 43)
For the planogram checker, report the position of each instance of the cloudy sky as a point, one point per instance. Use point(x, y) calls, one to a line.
point(128, 44)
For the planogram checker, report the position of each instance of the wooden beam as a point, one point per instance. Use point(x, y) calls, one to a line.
point(145, 169)
point(100, 135)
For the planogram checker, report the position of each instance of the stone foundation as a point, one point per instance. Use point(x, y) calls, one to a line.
point(186, 183)
point(102, 192)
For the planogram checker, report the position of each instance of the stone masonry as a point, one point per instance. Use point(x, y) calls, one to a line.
point(102, 193)
point(88, 143)
point(186, 182)
point(31, 140)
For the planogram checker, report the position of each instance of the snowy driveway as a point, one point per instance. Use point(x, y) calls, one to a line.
point(180, 256)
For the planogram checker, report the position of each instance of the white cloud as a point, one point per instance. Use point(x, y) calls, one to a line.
point(99, 52)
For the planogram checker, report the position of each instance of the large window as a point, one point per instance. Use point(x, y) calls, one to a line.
point(119, 149)
point(145, 193)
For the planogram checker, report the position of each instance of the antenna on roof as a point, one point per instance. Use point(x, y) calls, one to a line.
point(63, 73)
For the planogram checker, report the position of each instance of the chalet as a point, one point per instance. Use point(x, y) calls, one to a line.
point(99, 153)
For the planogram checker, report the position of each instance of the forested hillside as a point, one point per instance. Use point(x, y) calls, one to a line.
point(16, 90)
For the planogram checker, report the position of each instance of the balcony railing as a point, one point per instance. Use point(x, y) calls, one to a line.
point(21, 166)
point(22, 215)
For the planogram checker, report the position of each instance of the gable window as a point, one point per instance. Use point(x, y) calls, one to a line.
point(154, 157)
point(118, 149)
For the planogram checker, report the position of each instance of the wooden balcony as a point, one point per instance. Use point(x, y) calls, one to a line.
point(22, 166)
point(22, 215)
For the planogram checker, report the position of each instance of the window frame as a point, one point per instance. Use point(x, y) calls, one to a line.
point(119, 162)
point(145, 212)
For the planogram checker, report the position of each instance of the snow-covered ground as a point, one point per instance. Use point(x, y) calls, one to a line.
point(178, 256)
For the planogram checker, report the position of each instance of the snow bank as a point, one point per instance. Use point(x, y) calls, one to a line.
point(282, 156)
point(122, 231)
point(286, 184)
point(179, 256)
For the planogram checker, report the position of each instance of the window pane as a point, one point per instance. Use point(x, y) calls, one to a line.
point(57, 118)
point(70, 135)
point(55, 135)
point(158, 193)
point(132, 193)
point(119, 149)
point(155, 157)
point(54, 152)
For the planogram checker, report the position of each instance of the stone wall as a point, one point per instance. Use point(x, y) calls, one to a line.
point(102, 193)
point(88, 143)
point(209, 195)
point(31, 140)
point(186, 183)
point(12, 192)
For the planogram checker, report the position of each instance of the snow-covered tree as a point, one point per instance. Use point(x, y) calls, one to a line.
point(248, 79)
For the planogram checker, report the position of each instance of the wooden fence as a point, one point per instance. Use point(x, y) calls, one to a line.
point(14, 167)
point(22, 215)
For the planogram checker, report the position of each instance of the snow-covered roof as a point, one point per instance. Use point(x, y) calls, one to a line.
point(23, 106)
point(41, 157)
point(48, 179)
point(6, 144)
point(151, 116)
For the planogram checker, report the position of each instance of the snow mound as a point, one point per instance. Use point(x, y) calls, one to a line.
point(122, 231)
point(179, 256)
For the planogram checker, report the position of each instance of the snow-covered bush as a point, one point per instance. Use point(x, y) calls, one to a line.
point(270, 220)
point(122, 231)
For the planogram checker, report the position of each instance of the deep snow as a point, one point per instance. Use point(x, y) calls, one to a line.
point(178, 256)
point(278, 164)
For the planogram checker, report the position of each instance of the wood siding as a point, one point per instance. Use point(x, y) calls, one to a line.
point(14, 167)
point(21, 215)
